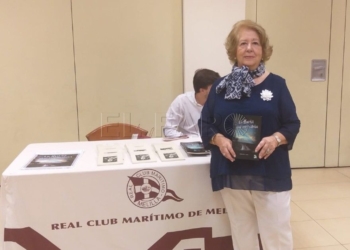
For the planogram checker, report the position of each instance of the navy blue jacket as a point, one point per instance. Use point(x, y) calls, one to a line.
point(278, 115)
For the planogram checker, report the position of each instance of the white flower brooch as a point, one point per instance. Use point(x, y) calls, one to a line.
point(266, 95)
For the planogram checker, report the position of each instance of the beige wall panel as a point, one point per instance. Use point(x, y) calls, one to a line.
point(37, 90)
point(206, 24)
point(250, 9)
point(300, 32)
point(335, 83)
point(344, 151)
point(128, 61)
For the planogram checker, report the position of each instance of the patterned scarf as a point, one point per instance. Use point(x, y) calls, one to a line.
point(239, 80)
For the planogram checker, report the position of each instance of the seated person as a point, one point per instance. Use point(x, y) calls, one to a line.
point(184, 112)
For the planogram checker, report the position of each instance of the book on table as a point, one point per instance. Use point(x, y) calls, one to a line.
point(109, 154)
point(194, 148)
point(141, 153)
point(246, 133)
point(54, 159)
point(168, 151)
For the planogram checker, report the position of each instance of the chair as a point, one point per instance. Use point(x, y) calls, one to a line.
point(116, 131)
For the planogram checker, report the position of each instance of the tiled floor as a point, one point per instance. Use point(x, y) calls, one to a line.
point(321, 209)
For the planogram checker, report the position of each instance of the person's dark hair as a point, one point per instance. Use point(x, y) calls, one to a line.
point(203, 78)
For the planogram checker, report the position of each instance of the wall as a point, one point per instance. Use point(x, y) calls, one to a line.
point(206, 26)
point(129, 61)
point(67, 67)
point(306, 30)
point(37, 88)
point(344, 135)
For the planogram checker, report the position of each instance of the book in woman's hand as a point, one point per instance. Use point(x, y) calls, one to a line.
point(245, 132)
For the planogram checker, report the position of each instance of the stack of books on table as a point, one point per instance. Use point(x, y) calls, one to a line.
point(140, 153)
point(109, 154)
point(168, 151)
point(194, 148)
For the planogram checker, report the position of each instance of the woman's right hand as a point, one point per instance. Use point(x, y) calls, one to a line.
point(225, 146)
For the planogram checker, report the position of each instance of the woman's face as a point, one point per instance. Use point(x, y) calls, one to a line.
point(249, 50)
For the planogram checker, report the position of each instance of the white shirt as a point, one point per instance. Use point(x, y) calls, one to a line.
point(182, 116)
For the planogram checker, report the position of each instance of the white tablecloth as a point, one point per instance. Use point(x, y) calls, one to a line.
point(90, 207)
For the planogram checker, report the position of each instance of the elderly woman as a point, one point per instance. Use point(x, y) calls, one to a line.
point(256, 193)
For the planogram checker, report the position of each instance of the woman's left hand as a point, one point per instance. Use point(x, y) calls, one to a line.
point(266, 147)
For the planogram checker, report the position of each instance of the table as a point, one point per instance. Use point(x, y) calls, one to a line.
point(89, 207)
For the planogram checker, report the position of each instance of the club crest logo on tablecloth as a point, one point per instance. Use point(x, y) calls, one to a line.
point(147, 188)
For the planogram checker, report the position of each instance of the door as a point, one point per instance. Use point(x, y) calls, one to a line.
point(300, 31)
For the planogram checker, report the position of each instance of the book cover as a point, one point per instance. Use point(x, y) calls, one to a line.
point(194, 148)
point(53, 160)
point(140, 153)
point(168, 152)
point(245, 131)
point(109, 155)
